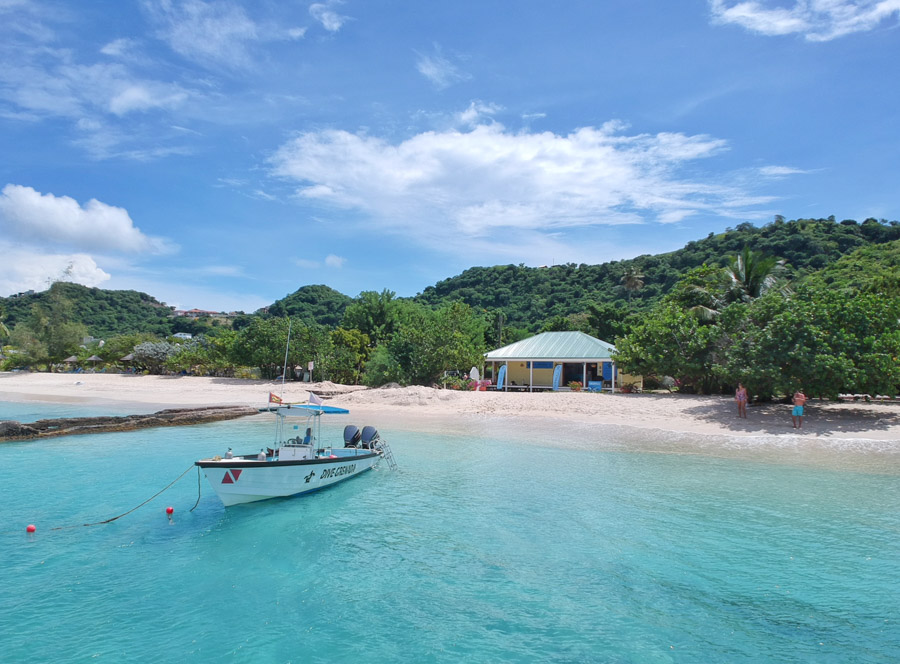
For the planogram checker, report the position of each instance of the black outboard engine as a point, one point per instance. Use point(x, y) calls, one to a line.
point(369, 438)
point(351, 436)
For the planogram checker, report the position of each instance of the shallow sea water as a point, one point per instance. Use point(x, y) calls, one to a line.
point(480, 548)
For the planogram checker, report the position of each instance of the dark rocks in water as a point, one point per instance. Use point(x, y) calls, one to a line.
point(11, 430)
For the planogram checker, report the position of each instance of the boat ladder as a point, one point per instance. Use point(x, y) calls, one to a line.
point(388, 455)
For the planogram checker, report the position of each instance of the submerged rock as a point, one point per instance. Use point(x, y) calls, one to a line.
point(11, 430)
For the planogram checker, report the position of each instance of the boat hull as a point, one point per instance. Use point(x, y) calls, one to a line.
point(238, 481)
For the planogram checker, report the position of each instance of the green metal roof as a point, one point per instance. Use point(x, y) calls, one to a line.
point(563, 346)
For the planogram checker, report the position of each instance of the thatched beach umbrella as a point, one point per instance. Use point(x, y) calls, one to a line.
point(70, 359)
point(94, 358)
point(127, 358)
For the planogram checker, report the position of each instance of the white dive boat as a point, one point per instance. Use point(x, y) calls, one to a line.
point(295, 465)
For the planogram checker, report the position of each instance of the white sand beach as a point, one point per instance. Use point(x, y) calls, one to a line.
point(427, 408)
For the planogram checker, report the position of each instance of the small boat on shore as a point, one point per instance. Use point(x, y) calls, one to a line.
point(295, 465)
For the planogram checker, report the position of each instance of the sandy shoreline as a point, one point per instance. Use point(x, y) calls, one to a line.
point(430, 408)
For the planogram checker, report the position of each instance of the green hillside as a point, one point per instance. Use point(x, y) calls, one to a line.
point(104, 312)
point(528, 296)
point(316, 304)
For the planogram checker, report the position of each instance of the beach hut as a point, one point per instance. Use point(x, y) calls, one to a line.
point(551, 360)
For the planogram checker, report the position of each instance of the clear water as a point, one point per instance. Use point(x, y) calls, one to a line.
point(479, 549)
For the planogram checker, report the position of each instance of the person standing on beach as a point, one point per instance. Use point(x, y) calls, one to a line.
point(740, 396)
point(797, 412)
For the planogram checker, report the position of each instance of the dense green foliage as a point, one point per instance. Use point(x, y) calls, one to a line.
point(835, 331)
point(528, 297)
point(104, 313)
point(315, 304)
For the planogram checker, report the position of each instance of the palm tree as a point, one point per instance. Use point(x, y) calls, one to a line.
point(751, 274)
point(746, 277)
point(632, 280)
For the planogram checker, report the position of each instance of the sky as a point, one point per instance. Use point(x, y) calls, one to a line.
point(221, 154)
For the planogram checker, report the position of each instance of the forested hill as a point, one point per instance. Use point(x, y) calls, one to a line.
point(319, 304)
point(103, 312)
point(528, 297)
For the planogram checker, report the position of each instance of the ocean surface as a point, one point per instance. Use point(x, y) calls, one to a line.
point(491, 543)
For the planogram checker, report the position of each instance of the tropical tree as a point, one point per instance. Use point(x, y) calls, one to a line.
point(262, 344)
point(4, 331)
point(822, 340)
point(607, 321)
point(427, 343)
point(671, 341)
point(154, 355)
point(351, 349)
point(49, 333)
point(632, 280)
point(751, 274)
point(373, 314)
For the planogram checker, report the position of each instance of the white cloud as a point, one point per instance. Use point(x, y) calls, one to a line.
point(118, 47)
point(63, 89)
point(444, 188)
point(208, 32)
point(324, 13)
point(335, 261)
point(31, 269)
point(439, 70)
point(47, 219)
point(476, 114)
point(144, 97)
point(816, 20)
point(781, 171)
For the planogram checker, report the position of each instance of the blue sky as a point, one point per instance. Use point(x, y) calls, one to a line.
point(220, 155)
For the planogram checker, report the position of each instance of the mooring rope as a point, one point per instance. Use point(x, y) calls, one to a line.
point(111, 519)
point(198, 491)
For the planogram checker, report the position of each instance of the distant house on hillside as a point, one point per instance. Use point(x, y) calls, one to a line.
point(531, 363)
point(197, 313)
point(183, 335)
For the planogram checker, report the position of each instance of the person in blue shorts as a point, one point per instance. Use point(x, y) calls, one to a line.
point(799, 401)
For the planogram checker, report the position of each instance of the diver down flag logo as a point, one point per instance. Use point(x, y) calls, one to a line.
point(227, 479)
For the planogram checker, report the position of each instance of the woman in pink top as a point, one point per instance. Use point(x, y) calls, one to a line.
point(740, 395)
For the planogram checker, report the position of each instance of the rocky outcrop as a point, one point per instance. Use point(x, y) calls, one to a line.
point(11, 430)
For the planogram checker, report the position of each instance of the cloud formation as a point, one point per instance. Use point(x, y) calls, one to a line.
point(26, 269)
point(31, 216)
point(213, 33)
point(816, 20)
point(326, 14)
point(488, 181)
point(439, 70)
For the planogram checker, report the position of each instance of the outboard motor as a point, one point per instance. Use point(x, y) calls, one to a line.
point(369, 437)
point(351, 436)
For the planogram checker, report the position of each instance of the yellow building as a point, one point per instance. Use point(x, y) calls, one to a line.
point(553, 360)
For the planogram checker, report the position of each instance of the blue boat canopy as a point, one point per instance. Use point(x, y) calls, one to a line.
point(306, 409)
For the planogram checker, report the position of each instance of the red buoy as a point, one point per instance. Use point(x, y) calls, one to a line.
point(170, 510)
point(30, 528)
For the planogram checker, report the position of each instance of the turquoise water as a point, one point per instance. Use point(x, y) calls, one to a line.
point(478, 549)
